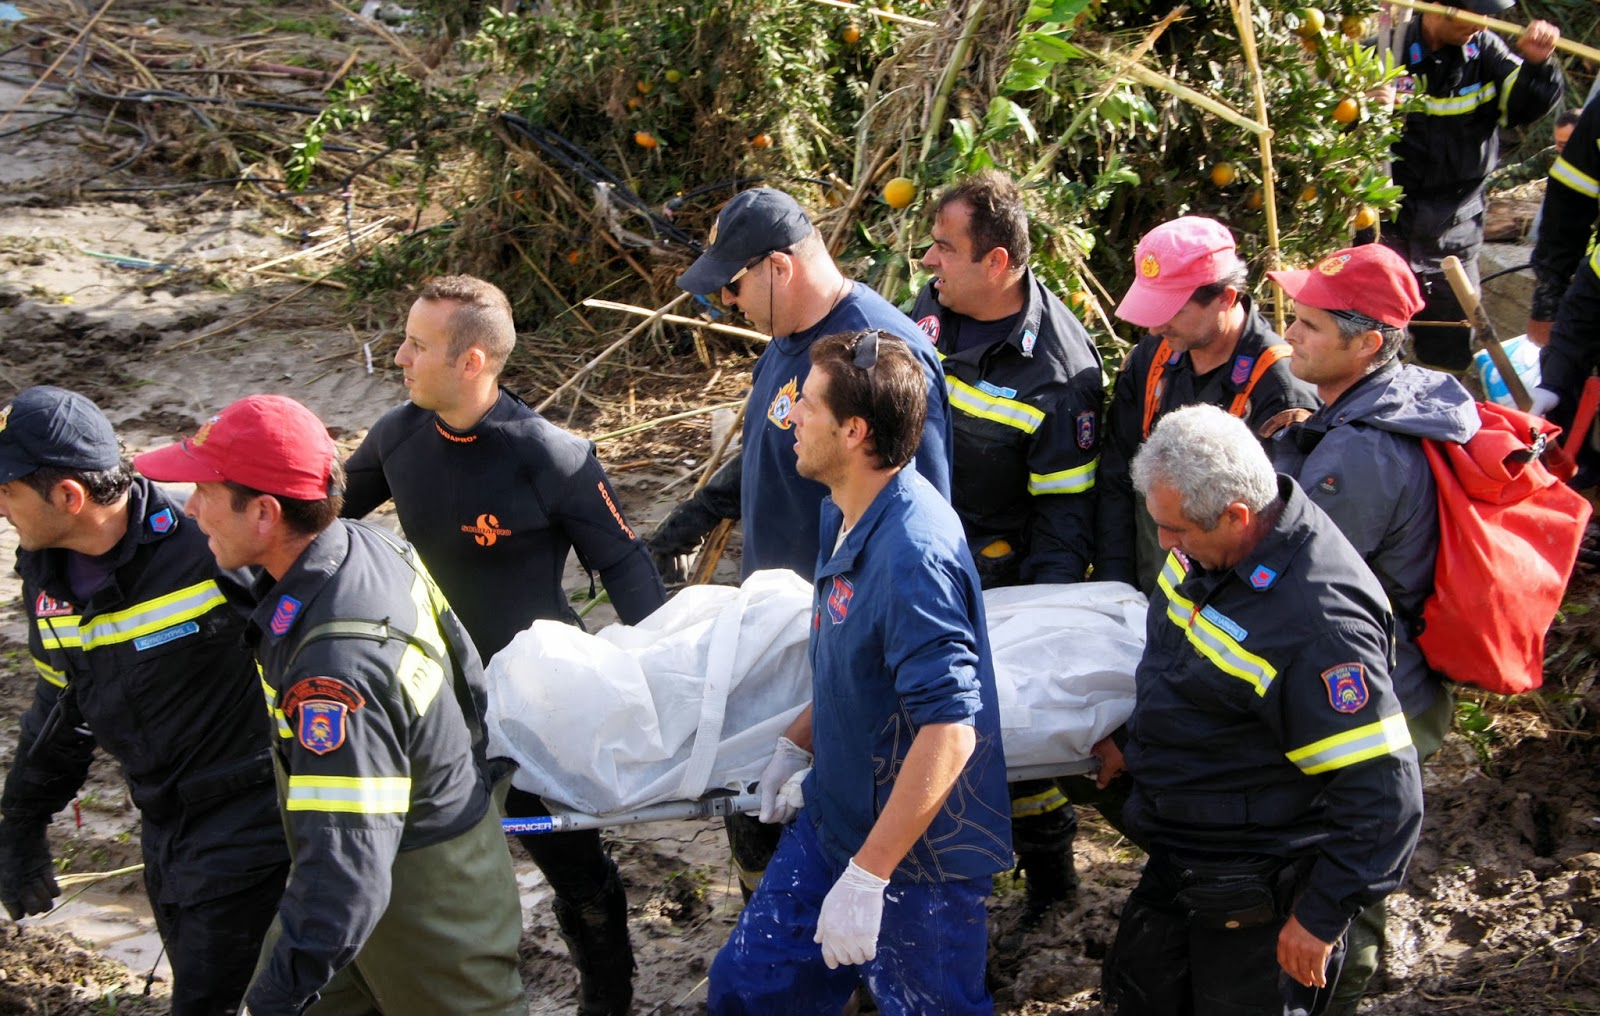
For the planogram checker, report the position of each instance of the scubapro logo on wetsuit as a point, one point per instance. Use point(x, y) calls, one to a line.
point(783, 403)
point(486, 530)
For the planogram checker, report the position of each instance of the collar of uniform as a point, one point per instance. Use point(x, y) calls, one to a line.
point(1276, 551)
point(844, 558)
point(305, 578)
point(1253, 340)
point(1028, 320)
point(1333, 412)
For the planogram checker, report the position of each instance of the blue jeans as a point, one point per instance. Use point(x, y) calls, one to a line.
point(931, 944)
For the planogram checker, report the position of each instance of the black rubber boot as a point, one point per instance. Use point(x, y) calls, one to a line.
point(1051, 879)
point(596, 933)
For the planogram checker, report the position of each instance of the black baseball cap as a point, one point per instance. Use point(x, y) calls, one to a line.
point(754, 223)
point(48, 426)
point(1485, 7)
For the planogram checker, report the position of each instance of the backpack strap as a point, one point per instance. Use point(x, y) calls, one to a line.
point(1269, 356)
point(1152, 387)
point(361, 628)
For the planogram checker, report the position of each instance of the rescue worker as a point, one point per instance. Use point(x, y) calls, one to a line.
point(906, 782)
point(1274, 784)
point(766, 259)
point(1026, 389)
point(402, 898)
point(1207, 343)
point(494, 497)
point(1470, 86)
point(1360, 459)
point(135, 635)
point(1565, 316)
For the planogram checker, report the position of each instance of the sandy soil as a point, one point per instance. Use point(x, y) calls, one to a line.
point(1497, 915)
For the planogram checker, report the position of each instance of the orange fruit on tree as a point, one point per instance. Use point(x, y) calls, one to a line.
point(574, 256)
point(1347, 111)
point(762, 141)
point(634, 102)
point(1307, 22)
point(674, 75)
point(644, 87)
point(1354, 26)
point(1079, 299)
point(1366, 217)
point(899, 192)
point(1309, 194)
point(1256, 199)
point(644, 139)
point(1223, 174)
point(851, 34)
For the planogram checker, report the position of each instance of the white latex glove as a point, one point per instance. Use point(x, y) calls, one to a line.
point(787, 760)
point(847, 928)
point(1544, 400)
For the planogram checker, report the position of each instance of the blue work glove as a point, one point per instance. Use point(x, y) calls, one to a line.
point(27, 871)
point(780, 790)
point(851, 914)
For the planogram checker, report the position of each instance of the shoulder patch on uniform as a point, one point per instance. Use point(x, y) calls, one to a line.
point(1029, 340)
point(1263, 577)
point(48, 606)
point(1085, 430)
point(321, 727)
point(328, 689)
point(1329, 484)
point(162, 521)
point(284, 614)
point(1416, 52)
point(1176, 355)
point(1224, 622)
point(930, 326)
point(839, 598)
point(1347, 687)
point(1241, 369)
point(783, 403)
point(1278, 421)
point(1471, 50)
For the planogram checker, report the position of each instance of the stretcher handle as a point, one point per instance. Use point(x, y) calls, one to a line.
point(1457, 277)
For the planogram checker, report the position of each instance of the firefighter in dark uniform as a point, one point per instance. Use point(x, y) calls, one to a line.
point(135, 635)
point(1274, 783)
point(402, 897)
point(1208, 344)
point(1026, 387)
point(494, 497)
point(1565, 316)
point(1467, 85)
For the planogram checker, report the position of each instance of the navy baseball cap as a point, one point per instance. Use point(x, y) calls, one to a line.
point(1485, 7)
point(47, 426)
point(754, 223)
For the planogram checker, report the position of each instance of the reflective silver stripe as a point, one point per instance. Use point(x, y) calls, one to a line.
point(1456, 105)
point(1505, 95)
point(1566, 173)
point(1221, 649)
point(1385, 737)
point(279, 720)
point(49, 673)
point(361, 795)
point(59, 632)
point(1010, 412)
point(1068, 481)
point(153, 615)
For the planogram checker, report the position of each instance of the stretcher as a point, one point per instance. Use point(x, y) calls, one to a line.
point(677, 715)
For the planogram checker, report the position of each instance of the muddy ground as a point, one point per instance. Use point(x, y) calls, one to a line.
point(1497, 914)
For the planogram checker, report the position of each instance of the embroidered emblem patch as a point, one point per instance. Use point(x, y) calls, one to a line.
point(321, 727)
point(1149, 267)
point(1241, 369)
point(166, 635)
point(1333, 265)
point(839, 599)
point(1416, 52)
point(48, 606)
point(283, 616)
point(1086, 430)
point(1405, 84)
point(1328, 484)
point(162, 521)
point(325, 688)
point(1471, 50)
point(783, 403)
point(930, 326)
point(1347, 687)
point(1263, 577)
point(1029, 340)
point(204, 432)
point(1177, 354)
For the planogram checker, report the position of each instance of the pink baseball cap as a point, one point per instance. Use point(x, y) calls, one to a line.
point(269, 443)
point(1174, 260)
point(1371, 280)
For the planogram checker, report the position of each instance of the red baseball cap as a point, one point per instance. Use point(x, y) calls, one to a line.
point(269, 443)
point(1371, 280)
point(1174, 260)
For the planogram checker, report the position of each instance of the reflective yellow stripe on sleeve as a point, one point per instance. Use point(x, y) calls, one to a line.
point(1385, 737)
point(417, 673)
point(280, 722)
point(361, 795)
point(1216, 645)
point(59, 632)
point(1010, 412)
point(154, 615)
point(1067, 481)
point(1505, 94)
point(49, 673)
point(1565, 173)
point(1457, 105)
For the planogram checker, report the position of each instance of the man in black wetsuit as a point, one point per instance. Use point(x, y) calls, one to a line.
point(494, 496)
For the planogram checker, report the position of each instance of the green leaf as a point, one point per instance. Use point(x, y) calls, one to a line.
point(1048, 46)
point(964, 136)
point(1025, 75)
point(1055, 11)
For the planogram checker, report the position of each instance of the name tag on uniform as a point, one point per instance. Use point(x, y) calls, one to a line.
point(1224, 622)
point(996, 390)
point(166, 635)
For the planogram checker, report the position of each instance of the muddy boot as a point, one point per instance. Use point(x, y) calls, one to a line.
point(596, 933)
point(1050, 880)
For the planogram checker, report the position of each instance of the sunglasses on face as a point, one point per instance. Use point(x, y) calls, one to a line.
point(732, 285)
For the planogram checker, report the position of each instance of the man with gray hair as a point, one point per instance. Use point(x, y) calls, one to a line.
point(1274, 784)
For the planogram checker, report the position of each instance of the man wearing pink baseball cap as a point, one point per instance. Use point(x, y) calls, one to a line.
point(1205, 343)
point(1360, 458)
point(402, 887)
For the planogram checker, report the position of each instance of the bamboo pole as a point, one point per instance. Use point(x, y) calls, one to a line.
point(1269, 199)
point(628, 308)
point(1563, 44)
point(1154, 79)
point(878, 12)
point(958, 60)
point(722, 447)
point(661, 421)
point(605, 353)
